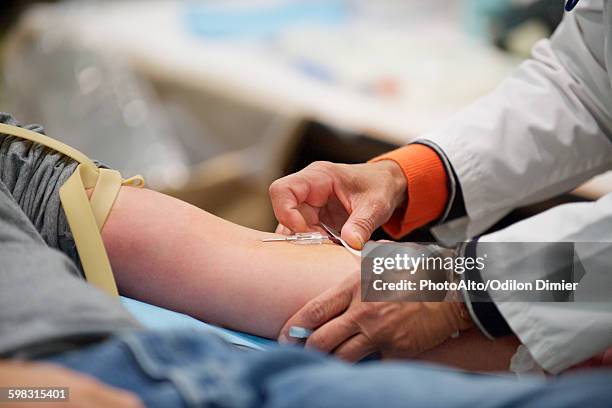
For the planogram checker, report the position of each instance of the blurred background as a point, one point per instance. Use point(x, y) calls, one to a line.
point(212, 100)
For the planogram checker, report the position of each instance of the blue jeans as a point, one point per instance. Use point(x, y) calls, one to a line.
point(177, 369)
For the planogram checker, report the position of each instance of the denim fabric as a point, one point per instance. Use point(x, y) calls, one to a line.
point(177, 369)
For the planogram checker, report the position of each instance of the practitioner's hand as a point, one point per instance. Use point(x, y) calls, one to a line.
point(357, 197)
point(83, 391)
point(352, 329)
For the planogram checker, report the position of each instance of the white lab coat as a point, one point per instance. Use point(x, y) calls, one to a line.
point(545, 130)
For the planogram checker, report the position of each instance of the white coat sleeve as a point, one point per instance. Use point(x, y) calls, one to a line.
point(558, 334)
point(543, 131)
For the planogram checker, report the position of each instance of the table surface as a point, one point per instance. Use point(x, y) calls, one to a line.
point(406, 90)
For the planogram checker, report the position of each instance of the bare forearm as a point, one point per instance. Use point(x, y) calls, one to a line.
point(172, 254)
point(169, 253)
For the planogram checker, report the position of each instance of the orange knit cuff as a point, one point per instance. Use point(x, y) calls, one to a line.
point(427, 188)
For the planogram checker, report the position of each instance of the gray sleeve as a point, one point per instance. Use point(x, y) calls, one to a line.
point(33, 175)
point(44, 307)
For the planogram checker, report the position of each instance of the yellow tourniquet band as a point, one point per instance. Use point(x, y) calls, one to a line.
point(85, 217)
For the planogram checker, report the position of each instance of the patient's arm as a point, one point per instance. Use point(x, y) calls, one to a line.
point(172, 254)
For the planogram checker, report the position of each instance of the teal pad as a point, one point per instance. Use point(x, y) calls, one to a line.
point(157, 318)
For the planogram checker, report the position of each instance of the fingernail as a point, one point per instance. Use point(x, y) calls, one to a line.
point(300, 333)
point(358, 239)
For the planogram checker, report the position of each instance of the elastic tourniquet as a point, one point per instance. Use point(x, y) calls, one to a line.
point(85, 216)
point(45, 305)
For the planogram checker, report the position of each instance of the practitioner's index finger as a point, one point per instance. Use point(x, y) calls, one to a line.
point(286, 195)
point(318, 311)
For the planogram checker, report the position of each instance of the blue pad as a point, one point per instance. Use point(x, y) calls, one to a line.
point(157, 318)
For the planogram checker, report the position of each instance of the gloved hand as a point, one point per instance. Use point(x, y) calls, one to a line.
point(352, 330)
point(358, 197)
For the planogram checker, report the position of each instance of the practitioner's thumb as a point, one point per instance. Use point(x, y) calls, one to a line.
point(358, 229)
point(367, 216)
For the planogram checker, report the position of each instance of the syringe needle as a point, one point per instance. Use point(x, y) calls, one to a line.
point(275, 239)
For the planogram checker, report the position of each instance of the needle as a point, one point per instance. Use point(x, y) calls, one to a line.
point(276, 239)
point(337, 237)
point(300, 238)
